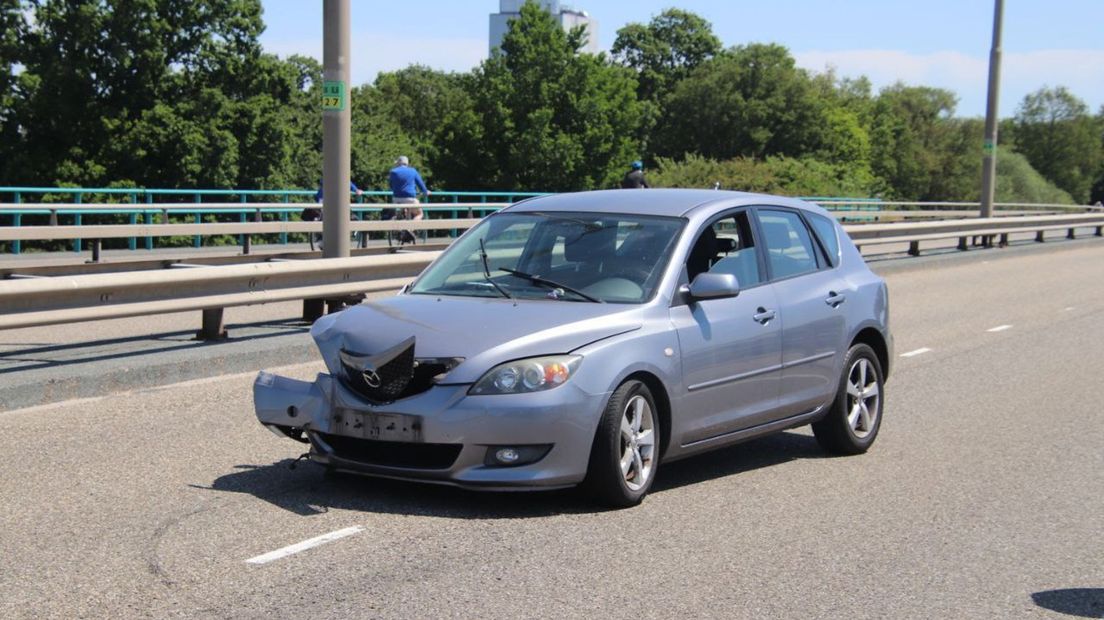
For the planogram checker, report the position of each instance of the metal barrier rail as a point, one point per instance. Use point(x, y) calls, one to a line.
point(49, 301)
point(985, 229)
point(63, 299)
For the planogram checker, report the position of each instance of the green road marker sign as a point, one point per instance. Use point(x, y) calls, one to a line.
point(988, 147)
point(333, 96)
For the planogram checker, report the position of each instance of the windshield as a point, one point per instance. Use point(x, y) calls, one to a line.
point(582, 257)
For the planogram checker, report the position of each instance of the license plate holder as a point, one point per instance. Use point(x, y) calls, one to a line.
point(377, 425)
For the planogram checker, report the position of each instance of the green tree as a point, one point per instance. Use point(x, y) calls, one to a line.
point(665, 50)
point(751, 101)
point(1018, 182)
point(776, 175)
point(437, 112)
point(1097, 195)
point(1054, 130)
point(158, 92)
point(11, 32)
point(550, 118)
point(908, 136)
point(377, 139)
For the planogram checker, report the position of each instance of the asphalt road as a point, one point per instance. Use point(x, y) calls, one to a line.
point(983, 497)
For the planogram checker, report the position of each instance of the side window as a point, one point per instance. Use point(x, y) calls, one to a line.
point(825, 230)
point(726, 246)
point(789, 247)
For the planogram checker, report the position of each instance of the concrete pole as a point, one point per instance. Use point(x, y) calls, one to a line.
point(989, 163)
point(336, 120)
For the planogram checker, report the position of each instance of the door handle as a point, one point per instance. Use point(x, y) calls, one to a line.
point(764, 316)
point(835, 299)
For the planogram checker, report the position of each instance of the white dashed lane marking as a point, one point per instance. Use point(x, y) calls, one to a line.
point(916, 352)
point(998, 328)
point(303, 546)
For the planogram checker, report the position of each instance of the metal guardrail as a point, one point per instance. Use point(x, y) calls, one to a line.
point(985, 229)
point(143, 205)
point(49, 301)
point(63, 299)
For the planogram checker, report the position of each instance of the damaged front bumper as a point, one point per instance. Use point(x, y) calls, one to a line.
point(442, 435)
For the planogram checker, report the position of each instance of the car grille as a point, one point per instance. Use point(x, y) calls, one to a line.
point(393, 378)
point(393, 453)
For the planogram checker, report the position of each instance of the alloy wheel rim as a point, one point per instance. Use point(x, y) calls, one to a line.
point(637, 442)
point(863, 395)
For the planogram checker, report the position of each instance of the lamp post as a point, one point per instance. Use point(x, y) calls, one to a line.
point(989, 162)
point(336, 119)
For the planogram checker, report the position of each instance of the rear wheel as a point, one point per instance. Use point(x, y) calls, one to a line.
point(625, 454)
point(852, 424)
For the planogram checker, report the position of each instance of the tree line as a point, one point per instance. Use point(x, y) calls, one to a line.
point(180, 94)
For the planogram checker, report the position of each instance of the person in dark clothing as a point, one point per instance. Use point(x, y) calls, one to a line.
point(314, 214)
point(634, 178)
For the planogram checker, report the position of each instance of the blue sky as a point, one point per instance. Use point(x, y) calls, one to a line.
point(941, 43)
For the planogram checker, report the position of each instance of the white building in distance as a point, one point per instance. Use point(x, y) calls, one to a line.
point(568, 17)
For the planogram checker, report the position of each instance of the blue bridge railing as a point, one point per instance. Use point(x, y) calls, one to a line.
point(60, 205)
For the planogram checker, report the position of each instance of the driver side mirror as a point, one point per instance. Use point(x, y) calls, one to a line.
point(712, 286)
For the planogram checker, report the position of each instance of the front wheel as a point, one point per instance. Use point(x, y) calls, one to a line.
point(625, 454)
point(852, 423)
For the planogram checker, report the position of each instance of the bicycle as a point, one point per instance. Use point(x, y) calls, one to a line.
point(397, 239)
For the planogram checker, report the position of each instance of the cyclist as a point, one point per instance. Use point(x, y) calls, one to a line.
point(405, 183)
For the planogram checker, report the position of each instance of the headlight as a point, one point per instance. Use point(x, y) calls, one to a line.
point(529, 375)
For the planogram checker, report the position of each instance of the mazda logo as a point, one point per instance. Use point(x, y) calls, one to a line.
point(371, 377)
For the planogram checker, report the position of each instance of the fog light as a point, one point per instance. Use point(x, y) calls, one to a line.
point(515, 456)
point(507, 456)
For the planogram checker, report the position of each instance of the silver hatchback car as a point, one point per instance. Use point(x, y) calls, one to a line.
point(587, 338)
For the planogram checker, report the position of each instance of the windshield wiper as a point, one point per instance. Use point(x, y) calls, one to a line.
point(487, 271)
point(550, 283)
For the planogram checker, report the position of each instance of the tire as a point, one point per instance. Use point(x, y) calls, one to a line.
point(851, 425)
point(628, 432)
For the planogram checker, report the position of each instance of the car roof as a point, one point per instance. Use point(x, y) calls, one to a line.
point(668, 202)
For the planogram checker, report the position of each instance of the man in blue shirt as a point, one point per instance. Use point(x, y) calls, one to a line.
point(405, 183)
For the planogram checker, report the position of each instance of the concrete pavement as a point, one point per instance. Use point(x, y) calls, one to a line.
point(982, 497)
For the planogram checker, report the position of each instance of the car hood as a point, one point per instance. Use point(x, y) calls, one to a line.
point(483, 331)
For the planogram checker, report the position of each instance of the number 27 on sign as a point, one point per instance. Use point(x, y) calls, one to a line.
point(333, 96)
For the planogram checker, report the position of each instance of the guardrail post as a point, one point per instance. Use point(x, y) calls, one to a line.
point(17, 221)
point(284, 218)
point(1100, 231)
point(197, 241)
point(963, 243)
point(1039, 236)
point(213, 326)
point(454, 214)
point(97, 246)
point(1070, 234)
point(1004, 240)
point(78, 244)
point(313, 309)
point(914, 248)
point(132, 243)
point(149, 221)
point(53, 217)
